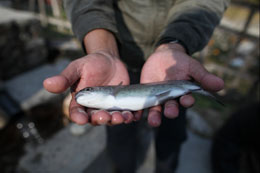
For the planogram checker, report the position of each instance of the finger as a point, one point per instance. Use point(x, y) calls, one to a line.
point(71, 73)
point(187, 101)
point(171, 109)
point(77, 112)
point(100, 117)
point(154, 116)
point(128, 116)
point(67, 78)
point(56, 84)
point(117, 118)
point(207, 80)
point(138, 115)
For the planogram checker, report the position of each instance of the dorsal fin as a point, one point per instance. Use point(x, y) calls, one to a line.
point(116, 89)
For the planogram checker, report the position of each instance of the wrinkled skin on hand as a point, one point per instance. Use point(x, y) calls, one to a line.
point(170, 62)
point(96, 69)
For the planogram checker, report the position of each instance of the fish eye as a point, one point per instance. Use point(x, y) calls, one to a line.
point(88, 89)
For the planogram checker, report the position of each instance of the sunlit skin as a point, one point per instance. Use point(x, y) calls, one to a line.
point(170, 62)
point(102, 66)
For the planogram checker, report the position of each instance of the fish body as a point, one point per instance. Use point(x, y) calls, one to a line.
point(135, 97)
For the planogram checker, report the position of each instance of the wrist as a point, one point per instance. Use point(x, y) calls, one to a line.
point(106, 53)
point(101, 41)
point(171, 45)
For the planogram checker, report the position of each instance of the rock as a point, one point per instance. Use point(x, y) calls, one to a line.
point(65, 152)
point(195, 155)
point(246, 47)
point(198, 125)
point(78, 130)
point(22, 46)
point(32, 92)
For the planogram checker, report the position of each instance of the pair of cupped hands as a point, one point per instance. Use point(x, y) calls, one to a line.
point(103, 67)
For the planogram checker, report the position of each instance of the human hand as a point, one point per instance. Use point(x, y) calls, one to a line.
point(170, 62)
point(96, 69)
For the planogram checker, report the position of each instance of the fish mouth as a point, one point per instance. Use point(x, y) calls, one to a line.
point(78, 94)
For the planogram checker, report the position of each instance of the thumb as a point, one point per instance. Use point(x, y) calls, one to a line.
point(62, 82)
point(207, 80)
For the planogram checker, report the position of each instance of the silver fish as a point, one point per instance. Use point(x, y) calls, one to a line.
point(136, 97)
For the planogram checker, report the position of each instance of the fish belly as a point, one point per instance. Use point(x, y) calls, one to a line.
point(134, 103)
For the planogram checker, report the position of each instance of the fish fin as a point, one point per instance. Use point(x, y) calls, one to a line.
point(121, 83)
point(168, 82)
point(208, 94)
point(117, 88)
point(161, 96)
point(159, 82)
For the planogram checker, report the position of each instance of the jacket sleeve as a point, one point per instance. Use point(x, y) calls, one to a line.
point(87, 15)
point(192, 22)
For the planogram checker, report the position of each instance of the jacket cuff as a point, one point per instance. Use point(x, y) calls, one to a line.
point(192, 30)
point(170, 40)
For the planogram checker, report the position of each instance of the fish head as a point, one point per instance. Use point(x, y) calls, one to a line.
point(91, 96)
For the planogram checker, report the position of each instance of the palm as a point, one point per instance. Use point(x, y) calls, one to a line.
point(98, 70)
point(166, 65)
point(169, 63)
point(92, 70)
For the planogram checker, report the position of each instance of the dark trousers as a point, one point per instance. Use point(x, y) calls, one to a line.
point(127, 143)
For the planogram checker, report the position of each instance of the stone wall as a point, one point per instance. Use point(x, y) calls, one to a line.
point(22, 47)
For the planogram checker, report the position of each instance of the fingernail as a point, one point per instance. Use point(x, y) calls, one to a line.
point(80, 110)
point(117, 118)
point(127, 116)
point(137, 116)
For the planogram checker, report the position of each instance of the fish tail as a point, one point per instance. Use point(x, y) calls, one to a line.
point(208, 94)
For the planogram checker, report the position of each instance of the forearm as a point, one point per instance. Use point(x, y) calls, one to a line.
point(88, 15)
point(192, 22)
point(101, 40)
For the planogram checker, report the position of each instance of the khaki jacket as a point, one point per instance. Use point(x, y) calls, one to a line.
point(141, 25)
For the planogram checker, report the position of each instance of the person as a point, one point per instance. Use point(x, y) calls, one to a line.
point(139, 42)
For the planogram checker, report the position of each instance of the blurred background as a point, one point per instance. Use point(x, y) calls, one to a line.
point(36, 42)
